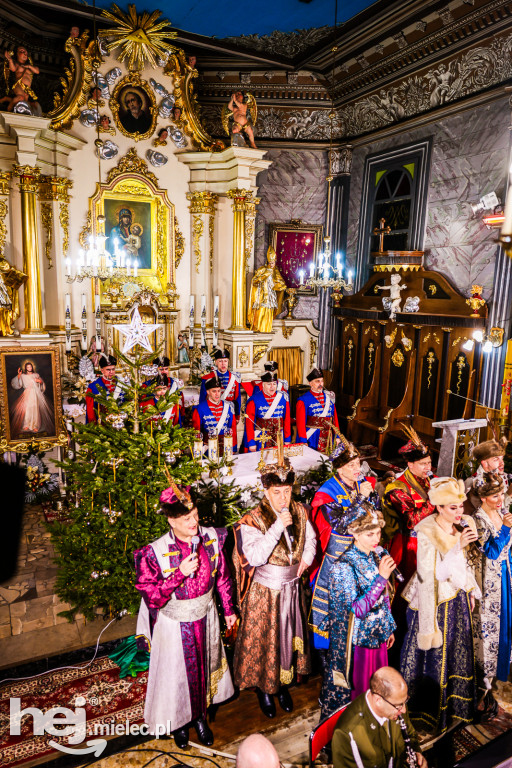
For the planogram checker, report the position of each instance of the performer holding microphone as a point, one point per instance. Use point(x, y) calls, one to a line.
point(358, 619)
point(178, 622)
point(274, 545)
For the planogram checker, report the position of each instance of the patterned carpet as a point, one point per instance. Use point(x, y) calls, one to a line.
point(108, 699)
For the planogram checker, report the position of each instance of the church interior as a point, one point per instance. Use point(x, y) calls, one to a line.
point(233, 239)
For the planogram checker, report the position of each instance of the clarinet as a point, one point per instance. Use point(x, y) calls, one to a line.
point(410, 754)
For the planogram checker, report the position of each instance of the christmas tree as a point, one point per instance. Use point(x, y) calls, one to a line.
point(114, 480)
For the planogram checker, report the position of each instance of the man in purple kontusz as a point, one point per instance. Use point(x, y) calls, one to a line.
point(178, 621)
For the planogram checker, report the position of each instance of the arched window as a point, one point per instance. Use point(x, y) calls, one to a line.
point(393, 202)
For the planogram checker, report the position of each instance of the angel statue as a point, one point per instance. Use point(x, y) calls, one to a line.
point(392, 304)
point(266, 297)
point(240, 116)
point(19, 68)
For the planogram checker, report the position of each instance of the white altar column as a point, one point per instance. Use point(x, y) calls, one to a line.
point(230, 176)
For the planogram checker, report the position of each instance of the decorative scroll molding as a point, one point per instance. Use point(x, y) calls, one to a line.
point(47, 222)
point(202, 202)
point(77, 82)
point(179, 244)
point(64, 223)
point(211, 234)
point(287, 43)
point(197, 233)
point(132, 163)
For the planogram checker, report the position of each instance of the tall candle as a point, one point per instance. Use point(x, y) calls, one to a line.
point(97, 314)
point(68, 322)
point(301, 276)
point(135, 267)
point(203, 320)
point(228, 447)
point(311, 269)
point(83, 338)
point(213, 448)
point(191, 321)
point(215, 320)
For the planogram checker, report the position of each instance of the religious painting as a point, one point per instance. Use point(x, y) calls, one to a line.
point(133, 106)
point(128, 229)
point(297, 246)
point(31, 396)
point(141, 233)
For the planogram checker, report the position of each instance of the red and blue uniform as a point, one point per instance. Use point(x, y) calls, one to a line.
point(96, 387)
point(206, 416)
point(256, 411)
point(234, 395)
point(311, 419)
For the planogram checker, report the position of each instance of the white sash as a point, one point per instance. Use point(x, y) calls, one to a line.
point(169, 412)
point(324, 413)
point(220, 424)
point(231, 384)
point(272, 408)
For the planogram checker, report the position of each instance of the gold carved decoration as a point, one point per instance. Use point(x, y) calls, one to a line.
point(179, 244)
point(132, 183)
point(390, 338)
point(47, 222)
point(287, 332)
point(432, 288)
point(350, 347)
point(197, 233)
point(202, 202)
point(134, 79)
point(64, 223)
point(354, 409)
point(77, 82)
point(258, 351)
point(434, 335)
point(250, 216)
point(430, 361)
point(397, 357)
point(243, 358)
point(350, 326)
point(371, 350)
point(54, 188)
point(141, 39)
point(129, 164)
point(183, 76)
point(5, 178)
point(211, 234)
point(313, 345)
point(458, 340)
point(386, 421)
point(461, 364)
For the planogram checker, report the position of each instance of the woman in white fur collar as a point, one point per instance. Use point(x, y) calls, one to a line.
point(437, 658)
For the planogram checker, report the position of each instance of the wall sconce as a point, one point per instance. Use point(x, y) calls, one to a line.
point(489, 341)
point(492, 203)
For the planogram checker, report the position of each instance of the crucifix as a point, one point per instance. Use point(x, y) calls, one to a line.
point(381, 231)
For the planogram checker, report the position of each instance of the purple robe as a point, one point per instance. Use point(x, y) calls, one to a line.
point(158, 586)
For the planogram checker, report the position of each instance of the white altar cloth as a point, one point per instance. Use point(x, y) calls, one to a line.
point(245, 472)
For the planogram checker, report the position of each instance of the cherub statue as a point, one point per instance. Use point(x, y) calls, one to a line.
point(23, 71)
point(392, 304)
point(240, 115)
point(11, 280)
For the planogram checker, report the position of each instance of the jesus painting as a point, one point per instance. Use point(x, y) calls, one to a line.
point(31, 413)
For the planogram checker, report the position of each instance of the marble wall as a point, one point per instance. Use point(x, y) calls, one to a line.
point(294, 187)
point(469, 159)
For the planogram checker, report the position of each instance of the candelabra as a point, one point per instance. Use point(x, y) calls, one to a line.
point(325, 274)
point(95, 262)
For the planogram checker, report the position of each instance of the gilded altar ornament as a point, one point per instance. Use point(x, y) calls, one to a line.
point(239, 119)
point(141, 38)
point(397, 357)
point(11, 280)
point(266, 296)
point(292, 301)
point(77, 82)
point(186, 112)
point(475, 301)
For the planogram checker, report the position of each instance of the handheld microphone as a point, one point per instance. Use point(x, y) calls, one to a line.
point(195, 541)
point(464, 524)
point(380, 551)
point(289, 528)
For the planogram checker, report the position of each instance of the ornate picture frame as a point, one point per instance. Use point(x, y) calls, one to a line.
point(30, 391)
point(133, 106)
point(131, 196)
point(297, 244)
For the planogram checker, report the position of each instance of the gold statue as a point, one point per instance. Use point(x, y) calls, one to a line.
point(11, 280)
point(266, 297)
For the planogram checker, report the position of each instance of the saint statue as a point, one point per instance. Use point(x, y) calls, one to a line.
point(11, 280)
point(267, 293)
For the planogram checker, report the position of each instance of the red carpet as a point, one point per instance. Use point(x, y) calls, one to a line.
point(109, 699)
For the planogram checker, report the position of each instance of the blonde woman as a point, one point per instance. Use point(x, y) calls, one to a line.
point(437, 658)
